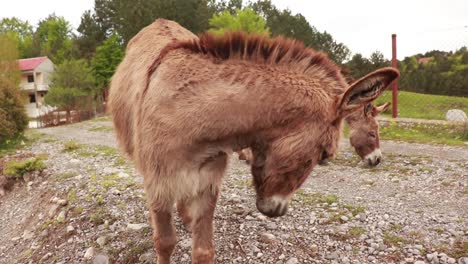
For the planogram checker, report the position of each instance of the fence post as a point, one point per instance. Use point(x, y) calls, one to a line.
point(395, 83)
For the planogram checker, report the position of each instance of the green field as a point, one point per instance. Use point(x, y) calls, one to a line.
point(424, 106)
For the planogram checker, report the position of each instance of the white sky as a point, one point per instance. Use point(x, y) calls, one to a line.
point(362, 25)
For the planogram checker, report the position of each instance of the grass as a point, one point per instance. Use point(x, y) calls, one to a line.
point(19, 141)
point(424, 133)
point(424, 106)
point(457, 250)
point(71, 146)
point(101, 129)
point(16, 169)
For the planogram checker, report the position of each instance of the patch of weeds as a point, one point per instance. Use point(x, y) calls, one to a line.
point(26, 254)
point(356, 231)
point(329, 199)
point(393, 240)
point(71, 145)
point(99, 200)
point(72, 195)
point(395, 227)
point(137, 249)
point(78, 210)
point(106, 151)
point(243, 183)
point(102, 119)
point(355, 210)
point(120, 161)
point(97, 218)
point(66, 175)
point(16, 169)
point(101, 129)
point(457, 250)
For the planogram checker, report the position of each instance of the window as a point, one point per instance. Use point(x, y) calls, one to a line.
point(30, 78)
point(32, 98)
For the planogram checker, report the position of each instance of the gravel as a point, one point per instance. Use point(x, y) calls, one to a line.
point(89, 206)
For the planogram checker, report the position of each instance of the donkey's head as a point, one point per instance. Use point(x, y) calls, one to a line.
point(364, 133)
point(282, 162)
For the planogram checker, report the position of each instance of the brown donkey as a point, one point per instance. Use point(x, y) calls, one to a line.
point(181, 105)
point(364, 135)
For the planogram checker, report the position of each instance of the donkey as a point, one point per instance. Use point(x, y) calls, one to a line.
point(364, 135)
point(181, 105)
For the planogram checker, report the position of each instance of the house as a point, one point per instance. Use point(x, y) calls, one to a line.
point(35, 80)
point(424, 60)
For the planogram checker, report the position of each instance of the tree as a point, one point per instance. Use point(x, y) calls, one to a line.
point(358, 66)
point(53, 38)
point(243, 20)
point(21, 32)
point(92, 34)
point(72, 84)
point(107, 58)
point(283, 22)
point(13, 118)
point(128, 17)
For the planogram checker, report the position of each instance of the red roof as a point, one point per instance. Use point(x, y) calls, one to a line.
point(31, 63)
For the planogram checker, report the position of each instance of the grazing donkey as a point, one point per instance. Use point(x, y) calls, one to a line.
point(364, 135)
point(182, 104)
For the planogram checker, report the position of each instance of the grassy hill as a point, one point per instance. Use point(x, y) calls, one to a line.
point(425, 106)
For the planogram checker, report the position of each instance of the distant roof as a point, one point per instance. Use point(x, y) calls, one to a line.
point(30, 63)
point(424, 59)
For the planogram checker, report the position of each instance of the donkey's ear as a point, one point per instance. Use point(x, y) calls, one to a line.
point(379, 109)
point(366, 90)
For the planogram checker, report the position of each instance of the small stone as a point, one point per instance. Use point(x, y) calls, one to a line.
point(331, 256)
point(419, 262)
point(28, 234)
point(345, 260)
point(62, 202)
point(271, 226)
point(451, 261)
point(268, 238)
point(344, 218)
point(70, 229)
point(282, 256)
point(292, 261)
point(53, 210)
point(123, 174)
point(101, 259)
point(46, 256)
point(136, 227)
point(89, 253)
point(102, 240)
point(186, 243)
point(61, 217)
point(463, 260)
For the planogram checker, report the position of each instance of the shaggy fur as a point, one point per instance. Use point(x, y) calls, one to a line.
point(182, 104)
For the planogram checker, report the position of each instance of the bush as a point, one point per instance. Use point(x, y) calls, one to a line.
point(16, 169)
point(13, 118)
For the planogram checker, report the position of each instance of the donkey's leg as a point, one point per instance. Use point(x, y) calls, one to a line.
point(163, 231)
point(201, 210)
point(182, 209)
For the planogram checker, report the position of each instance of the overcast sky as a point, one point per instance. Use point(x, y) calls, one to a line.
point(362, 25)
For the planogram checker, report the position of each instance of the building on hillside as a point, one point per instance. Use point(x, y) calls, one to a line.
point(424, 60)
point(35, 80)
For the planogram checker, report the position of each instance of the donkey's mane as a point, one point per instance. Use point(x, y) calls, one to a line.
point(262, 49)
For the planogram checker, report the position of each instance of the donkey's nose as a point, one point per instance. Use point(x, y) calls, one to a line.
point(374, 158)
point(273, 206)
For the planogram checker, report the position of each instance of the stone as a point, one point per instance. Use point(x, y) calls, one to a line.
point(136, 227)
point(53, 209)
point(28, 234)
point(61, 217)
point(292, 261)
point(102, 240)
point(419, 262)
point(344, 218)
point(186, 243)
point(331, 256)
point(456, 115)
point(463, 260)
point(62, 202)
point(267, 238)
point(89, 253)
point(271, 226)
point(101, 259)
point(70, 229)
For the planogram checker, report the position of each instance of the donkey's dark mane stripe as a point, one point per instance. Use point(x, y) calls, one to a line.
point(260, 48)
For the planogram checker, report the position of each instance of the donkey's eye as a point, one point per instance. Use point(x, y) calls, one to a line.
point(372, 134)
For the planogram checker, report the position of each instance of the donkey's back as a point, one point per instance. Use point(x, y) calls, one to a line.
point(130, 77)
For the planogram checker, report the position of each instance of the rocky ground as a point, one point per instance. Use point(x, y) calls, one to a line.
point(88, 206)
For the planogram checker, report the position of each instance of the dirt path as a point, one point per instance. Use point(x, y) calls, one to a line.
point(410, 208)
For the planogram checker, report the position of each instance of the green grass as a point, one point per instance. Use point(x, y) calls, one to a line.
point(424, 133)
point(19, 141)
point(16, 169)
point(424, 106)
point(71, 146)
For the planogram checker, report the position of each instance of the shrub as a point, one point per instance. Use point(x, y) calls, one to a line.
point(16, 169)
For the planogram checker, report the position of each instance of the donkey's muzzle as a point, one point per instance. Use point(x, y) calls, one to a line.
point(273, 206)
point(374, 158)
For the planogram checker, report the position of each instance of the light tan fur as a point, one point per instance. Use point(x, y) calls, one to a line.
point(181, 105)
